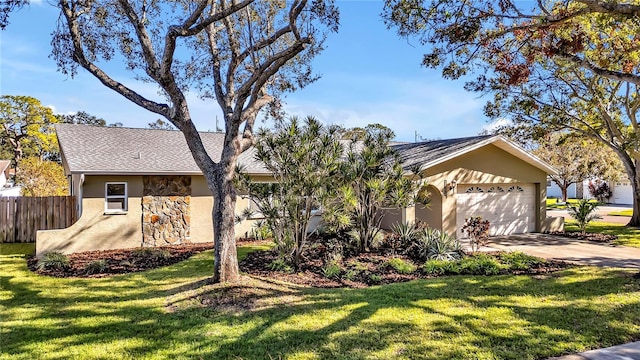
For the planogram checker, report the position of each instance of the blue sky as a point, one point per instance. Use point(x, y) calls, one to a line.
point(369, 75)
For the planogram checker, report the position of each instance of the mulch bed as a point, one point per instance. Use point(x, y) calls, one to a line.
point(595, 237)
point(122, 261)
point(367, 269)
point(371, 270)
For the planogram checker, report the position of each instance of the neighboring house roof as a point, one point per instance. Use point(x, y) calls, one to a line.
point(431, 153)
point(89, 149)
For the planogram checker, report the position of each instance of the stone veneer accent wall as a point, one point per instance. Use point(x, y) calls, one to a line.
point(166, 210)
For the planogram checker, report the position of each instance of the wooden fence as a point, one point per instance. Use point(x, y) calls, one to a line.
point(21, 217)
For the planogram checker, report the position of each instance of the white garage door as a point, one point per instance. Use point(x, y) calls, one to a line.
point(509, 208)
point(622, 193)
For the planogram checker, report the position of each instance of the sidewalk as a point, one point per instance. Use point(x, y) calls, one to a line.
point(630, 351)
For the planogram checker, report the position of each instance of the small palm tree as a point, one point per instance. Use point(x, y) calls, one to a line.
point(583, 212)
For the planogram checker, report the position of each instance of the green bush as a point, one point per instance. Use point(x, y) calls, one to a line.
point(375, 278)
point(280, 264)
point(583, 212)
point(438, 267)
point(332, 270)
point(406, 232)
point(519, 261)
point(433, 244)
point(151, 253)
point(54, 261)
point(96, 267)
point(401, 266)
point(351, 274)
point(480, 264)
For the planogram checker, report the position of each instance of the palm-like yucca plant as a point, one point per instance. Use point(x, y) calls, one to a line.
point(406, 232)
point(583, 213)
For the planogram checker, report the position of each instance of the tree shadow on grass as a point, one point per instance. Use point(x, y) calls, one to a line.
point(177, 313)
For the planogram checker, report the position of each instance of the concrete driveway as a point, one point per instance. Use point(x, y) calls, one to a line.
point(570, 250)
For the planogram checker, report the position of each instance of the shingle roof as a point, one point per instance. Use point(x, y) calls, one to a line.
point(423, 153)
point(114, 150)
point(110, 150)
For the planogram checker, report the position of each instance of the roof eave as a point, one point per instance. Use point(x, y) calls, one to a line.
point(507, 145)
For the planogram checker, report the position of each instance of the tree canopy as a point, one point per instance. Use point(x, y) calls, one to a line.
point(241, 54)
point(41, 178)
point(26, 128)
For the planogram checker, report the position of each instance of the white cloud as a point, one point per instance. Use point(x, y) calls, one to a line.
point(496, 124)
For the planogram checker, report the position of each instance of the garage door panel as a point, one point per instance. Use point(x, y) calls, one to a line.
point(510, 211)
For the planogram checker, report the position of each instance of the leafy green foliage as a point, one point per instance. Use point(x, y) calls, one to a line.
point(480, 264)
point(439, 267)
point(280, 265)
point(401, 266)
point(332, 269)
point(54, 261)
point(371, 178)
point(576, 159)
point(96, 266)
point(41, 178)
point(151, 253)
point(434, 244)
point(583, 213)
point(26, 128)
point(303, 158)
point(519, 261)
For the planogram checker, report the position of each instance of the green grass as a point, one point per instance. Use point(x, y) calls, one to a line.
point(627, 236)
point(163, 314)
point(17, 249)
point(557, 204)
point(621, 213)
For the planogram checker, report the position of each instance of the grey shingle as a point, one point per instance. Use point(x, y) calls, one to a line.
point(425, 153)
point(112, 150)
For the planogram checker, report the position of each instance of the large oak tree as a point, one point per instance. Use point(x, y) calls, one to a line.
point(242, 54)
point(552, 66)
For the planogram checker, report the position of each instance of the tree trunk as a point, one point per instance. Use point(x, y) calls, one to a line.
point(635, 216)
point(225, 254)
point(564, 188)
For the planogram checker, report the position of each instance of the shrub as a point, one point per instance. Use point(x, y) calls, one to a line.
point(351, 274)
point(583, 212)
point(261, 230)
point(401, 266)
point(96, 267)
point(332, 270)
point(375, 278)
point(435, 244)
point(437, 267)
point(519, 261)
point(280, 264)
point(54, 261)
point(406, 232)
point(600, 190)
point(480, 264)
point(151, 253)
point(477, 230)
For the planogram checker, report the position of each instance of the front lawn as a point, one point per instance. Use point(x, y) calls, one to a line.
point(175, 313)
point(628, 212)
point(627, 236)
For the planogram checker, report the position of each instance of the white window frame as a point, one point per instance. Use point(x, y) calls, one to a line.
point(107, 197)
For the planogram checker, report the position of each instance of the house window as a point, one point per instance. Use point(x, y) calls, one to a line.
point(115, 199)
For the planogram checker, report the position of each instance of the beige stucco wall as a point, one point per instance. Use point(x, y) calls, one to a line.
point(487, 165)
point(96, 230)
